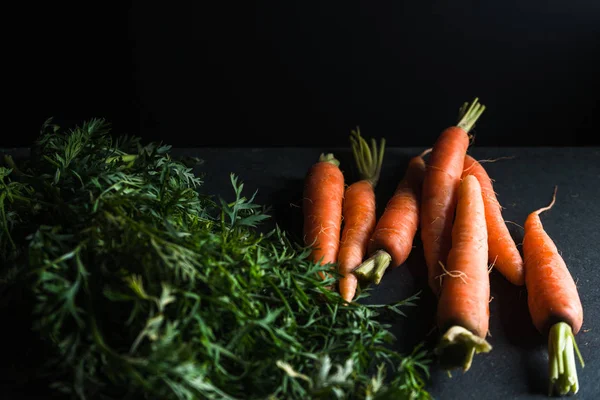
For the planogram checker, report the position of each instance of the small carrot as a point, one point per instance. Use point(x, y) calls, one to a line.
point(322, 209)
point(440, 184)
point(392, 239)
point(503, 252)
point(553, 301)
point(359, 213)
point(463, 307)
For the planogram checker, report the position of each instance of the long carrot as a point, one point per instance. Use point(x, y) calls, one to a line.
point(463, 307)
point(440, 184)
point(392, 239)
point(553, 300)
point(503, 252)
point(322, 209)
point(359, 211)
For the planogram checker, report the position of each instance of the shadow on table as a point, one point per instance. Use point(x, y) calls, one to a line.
point(519, 331)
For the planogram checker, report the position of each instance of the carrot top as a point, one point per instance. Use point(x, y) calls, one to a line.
point(330, 158)
point(458, 346)
point(368, 159)
point(563, 372)
point(469, 114)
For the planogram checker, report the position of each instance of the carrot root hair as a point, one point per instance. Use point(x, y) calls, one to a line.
point(458, 346)
point(368, 158)
point(563, 371)
point(453, 274)
point(425, 152)
point(514, 223)
point(492, 160)
point(374, 267)
point(549, 206)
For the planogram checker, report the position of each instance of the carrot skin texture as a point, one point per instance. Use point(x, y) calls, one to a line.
point(465, 293)
point(359, 211)
point(438, 200)
point(322, 209)
point(396, 228)
point(503, 252)
point(552, 293)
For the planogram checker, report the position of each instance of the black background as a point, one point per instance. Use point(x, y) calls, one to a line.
point(301, 73)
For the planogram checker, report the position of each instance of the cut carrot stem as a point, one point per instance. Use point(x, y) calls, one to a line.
point(563, 372)
point(330, 158)
point(458, 346)
point(373, 268)
point(469, 114)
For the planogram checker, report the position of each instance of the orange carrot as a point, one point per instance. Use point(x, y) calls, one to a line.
point(358, 211)
point(322, 209)
point(503, 252)
point(440, 184)
point(392, 239)
point(463, 307)
point(553, 300)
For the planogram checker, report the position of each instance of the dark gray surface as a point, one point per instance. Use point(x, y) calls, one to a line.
point(516, 368)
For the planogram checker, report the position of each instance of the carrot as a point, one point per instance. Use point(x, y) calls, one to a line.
point(322, 209)
point(358, 211)
point(392, 239)
point(503, 252)
point(553, 301)
point(463, 307)
point(440, 184)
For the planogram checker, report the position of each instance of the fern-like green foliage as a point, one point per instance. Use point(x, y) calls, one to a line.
point(143, 286)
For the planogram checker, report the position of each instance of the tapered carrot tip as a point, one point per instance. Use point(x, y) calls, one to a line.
point(373, 268)
point(563, 372)
point(458, 346)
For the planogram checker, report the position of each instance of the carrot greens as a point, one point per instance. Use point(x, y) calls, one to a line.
point(137, 284)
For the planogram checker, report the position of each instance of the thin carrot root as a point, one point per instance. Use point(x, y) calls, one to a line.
point(425, 152)
point(514, 223)
point(458, 346)
point(492, 160)
point(374, 267)
point(563, 372)
point(491, 267)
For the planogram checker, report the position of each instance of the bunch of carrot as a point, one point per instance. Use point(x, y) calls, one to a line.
point(451, 200)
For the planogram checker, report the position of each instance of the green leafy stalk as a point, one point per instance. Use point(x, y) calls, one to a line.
point(469, 114)
point(368, 159)
point(142, 286)
point(563, 372)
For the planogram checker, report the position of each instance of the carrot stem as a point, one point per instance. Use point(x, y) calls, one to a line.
point(368, 158)
point(373, 268)
point(469, 114)
point(458, 346)
point(330, 158)
point(563, 372)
